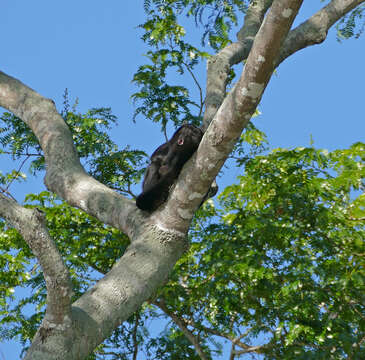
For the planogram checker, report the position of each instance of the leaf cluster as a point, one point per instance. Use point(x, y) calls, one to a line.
point(217, 17)
point(159, 98)
point(351, 25)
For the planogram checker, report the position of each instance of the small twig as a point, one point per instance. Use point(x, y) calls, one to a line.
point(181, 323)
point(134, 336)
point(7, 193)
point(356, 219)
point(128, 191)
point(21, 154)
point(17, 172)
point(165, 133)
point(199, 87)
point(233, 353)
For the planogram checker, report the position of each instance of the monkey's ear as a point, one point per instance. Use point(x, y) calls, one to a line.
point(180, 141)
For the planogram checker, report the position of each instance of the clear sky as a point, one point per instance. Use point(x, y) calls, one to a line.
point(93, 48)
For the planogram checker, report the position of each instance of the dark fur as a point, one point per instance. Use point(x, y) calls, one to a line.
point(165, 166)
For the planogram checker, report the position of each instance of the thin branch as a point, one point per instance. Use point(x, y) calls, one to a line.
point(315, 29)
point(134, 336)
point(182, 326)
point(7, 193)
point(232, 354)
point(246, 348)
point(236, 341)
point(21, 154)
point(357, 219)
point(113, 353)
point(198, 85)
point(233, 339)
point(311, 32)
point(17, 173)
point(259, 349)
point(208, 330)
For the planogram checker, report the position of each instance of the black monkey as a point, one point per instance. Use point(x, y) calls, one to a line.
point(165, 166)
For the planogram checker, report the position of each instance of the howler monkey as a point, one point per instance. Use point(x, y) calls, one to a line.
point(165, 166)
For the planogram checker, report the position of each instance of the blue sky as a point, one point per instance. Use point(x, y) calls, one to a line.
point(93, 49)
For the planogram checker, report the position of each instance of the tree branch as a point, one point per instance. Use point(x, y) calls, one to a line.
point(135, 277)
point(239, 105)
point(220, 65)
point(236, 340)
point(65, 176)
point(314, 30)
point(17, 174)
point(182, 326)
point(31, 225)
point(229, 121)
point(134, 336)
point(311, 32)
point(198, 86)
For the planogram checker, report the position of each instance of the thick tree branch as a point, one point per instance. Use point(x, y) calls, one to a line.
point(182, 326)
point(135, 277)
point(314, 30)
point(132, 280)
point(219, 65)
point(31, 225)
point(229, 121)
point(218, 69)
point(311, 32)
point(65, 176)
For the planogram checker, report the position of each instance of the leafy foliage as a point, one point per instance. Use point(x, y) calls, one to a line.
point(352, 25)
point(157, 99)
point(160, 101)
point(119, 170)
point(216, 16)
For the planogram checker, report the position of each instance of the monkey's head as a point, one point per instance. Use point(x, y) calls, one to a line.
point(187, 138)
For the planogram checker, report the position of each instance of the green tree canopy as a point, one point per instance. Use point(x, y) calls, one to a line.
point(275, 264)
